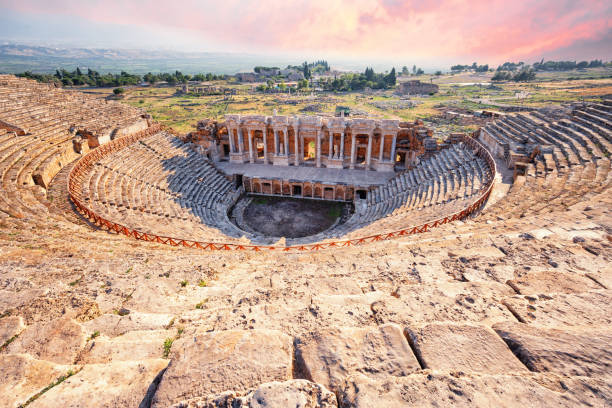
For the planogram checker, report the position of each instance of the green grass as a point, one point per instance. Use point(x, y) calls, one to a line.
point(203, 283)
point(184, 283)
point(60, 380)
point(183, 112)
point(167, 346)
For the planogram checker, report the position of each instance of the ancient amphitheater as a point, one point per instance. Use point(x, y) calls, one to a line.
point(469, 272)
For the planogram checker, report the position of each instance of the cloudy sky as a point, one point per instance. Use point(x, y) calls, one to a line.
point(434, 31)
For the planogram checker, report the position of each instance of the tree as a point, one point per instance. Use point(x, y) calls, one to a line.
point(414, 69)
point(391, 78)
point(438, 73)
point(369, 74)
point(302, 84)
point(420, 72)
point(78, 71)
point(405, 70)
point(306, 70)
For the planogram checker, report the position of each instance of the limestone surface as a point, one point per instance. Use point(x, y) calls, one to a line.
point(565, 352)
point(23, 376)
point(443, 390)
point(120, 384)
point(291, 393)
point(206, 363)
point(328, 357)
point(9, 327)
point(58, 341)
point(454, 347)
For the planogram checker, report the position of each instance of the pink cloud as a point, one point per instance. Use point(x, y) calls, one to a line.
point(488, 29)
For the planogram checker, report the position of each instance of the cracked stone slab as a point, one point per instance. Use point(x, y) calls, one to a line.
point(58, 341)
point(292, 393)
point(23, 376)
point(120, 384)
point(9, 327)
point(584, 352)
point(328, 357)
point(460, 347)
point(207, 363)
point(443, 390)
point(574, 309)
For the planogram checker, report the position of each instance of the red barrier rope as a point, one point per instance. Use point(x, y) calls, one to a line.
point(84, 164)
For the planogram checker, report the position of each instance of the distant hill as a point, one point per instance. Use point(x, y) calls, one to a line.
point(19, 58)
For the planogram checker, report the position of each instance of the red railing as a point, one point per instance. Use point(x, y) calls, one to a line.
point(81, 168)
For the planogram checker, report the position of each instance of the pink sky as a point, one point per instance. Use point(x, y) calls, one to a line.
point(493, 30)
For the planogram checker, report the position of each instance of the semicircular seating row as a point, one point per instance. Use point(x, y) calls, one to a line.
point(575, 167)
point(162, 186)
point(45, 114)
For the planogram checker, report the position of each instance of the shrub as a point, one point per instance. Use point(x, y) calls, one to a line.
point(167, 346)
point(118, 91)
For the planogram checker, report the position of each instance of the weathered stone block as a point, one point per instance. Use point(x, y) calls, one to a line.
point(576, 353)
point(329, 357)
point(123, 384)
point(58, 341)
point(212, 362)
point(450, 347)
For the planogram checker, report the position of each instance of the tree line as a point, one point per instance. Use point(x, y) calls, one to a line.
point(94, 78)
point(566, 65)
point(355, 82)
point(475, 67)
point(551, 65)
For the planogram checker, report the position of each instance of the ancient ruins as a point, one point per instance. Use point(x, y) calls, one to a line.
point(469, 270)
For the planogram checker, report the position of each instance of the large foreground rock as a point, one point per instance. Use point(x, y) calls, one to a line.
point(575, 353)
point(208, 363)
point(115, 385)
point(434, 390)
point(329, 356)
point(23, 376)
point(292, 393)
point(451, 347)
point(58, 341)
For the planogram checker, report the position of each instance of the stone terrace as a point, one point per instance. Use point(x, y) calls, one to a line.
point(509, 308)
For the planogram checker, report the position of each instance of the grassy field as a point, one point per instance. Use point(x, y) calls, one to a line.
point(463, 91)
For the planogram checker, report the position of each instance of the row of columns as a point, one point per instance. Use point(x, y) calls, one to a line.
point(299, 152)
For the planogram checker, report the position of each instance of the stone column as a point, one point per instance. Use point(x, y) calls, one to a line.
point(318, 151)
point(286, 139)
point(393, 146)
point(382, 147)
point(342, 146)
point(369, 151)
point(353, 150)
point(276, 142)
point(265, 142)
point(331, 145)
point(250, 135)
point(240, 141)
point(230, 136)
point(297, 145)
